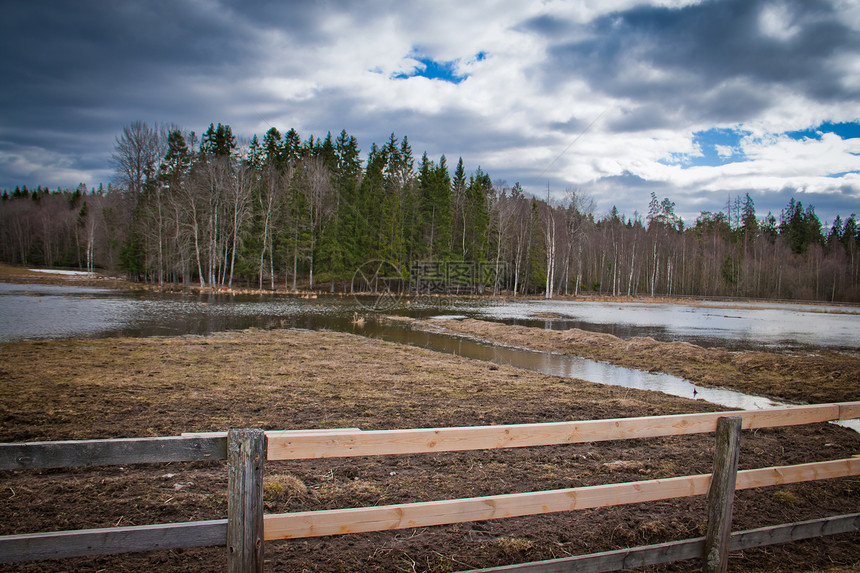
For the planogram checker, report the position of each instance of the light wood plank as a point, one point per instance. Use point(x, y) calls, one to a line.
point(67, 454)
point(427, 440)
point(312, 432)
point(849, 410)
point(764, 477)
point(110, 540)
point(422, 514)
point(425, 514)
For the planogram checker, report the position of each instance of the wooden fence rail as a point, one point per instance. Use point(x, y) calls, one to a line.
point(245, 527)
point(332, 444)
point(112, 540)
point(424, 514)
point(124, 451)
point(646, 555)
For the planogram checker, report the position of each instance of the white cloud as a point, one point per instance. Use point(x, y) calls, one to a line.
point(725, 150)
point(777, 21)
point(550, 68)
point(47, 168)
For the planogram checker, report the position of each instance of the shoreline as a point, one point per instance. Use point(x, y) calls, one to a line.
point(13, 274)
point(785, 377)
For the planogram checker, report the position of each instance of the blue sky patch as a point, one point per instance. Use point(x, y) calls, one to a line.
point(720, 146)
point(433, 70)
point(843, 130)
point(717, 146)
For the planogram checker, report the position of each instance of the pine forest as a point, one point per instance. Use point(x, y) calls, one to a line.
point(287, 213)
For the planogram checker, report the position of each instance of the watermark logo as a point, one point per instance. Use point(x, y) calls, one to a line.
point(456, 277)
point(378, 285)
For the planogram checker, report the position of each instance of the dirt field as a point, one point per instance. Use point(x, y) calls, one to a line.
point(285, 379)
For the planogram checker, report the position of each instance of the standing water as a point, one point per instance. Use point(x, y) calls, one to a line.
point(48, 311)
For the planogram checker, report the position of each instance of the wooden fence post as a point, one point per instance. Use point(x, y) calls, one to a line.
point(246, 452)
point(721, 495)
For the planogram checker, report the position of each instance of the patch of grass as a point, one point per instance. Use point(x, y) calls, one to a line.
point(513, 546)
point(786, 497)
point(652, 530)
point(283, 488)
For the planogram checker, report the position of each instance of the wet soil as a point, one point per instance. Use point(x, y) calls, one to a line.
point(290, 379)
point(802, 377)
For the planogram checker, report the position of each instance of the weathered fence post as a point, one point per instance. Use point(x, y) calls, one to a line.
point(721, 495)
point(246, 452)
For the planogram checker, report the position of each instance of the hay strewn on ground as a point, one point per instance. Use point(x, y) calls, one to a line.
point(73, 389)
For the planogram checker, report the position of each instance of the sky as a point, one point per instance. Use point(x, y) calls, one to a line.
point(697, 101)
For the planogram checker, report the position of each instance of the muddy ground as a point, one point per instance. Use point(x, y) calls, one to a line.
point(287, 379)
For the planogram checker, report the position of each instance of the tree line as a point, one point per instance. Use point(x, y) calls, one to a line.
point(283, 212)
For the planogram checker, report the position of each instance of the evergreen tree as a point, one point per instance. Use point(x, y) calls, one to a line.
point(835, 234)
point(351, 215)
point(800, 227)
point(443, 212)
point(477, 193)
point(292, 147)
point(327, 152)
point(218, 141)
point(749, 222)
point(397, 177)
point(434, 185)
point(254, 157)
point(273, 149)
point(850, 231)
point(371, 196)
point(461, 211)
point(177, 160)
point(653, 210)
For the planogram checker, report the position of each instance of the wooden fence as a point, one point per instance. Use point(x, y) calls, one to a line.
point(246, 528)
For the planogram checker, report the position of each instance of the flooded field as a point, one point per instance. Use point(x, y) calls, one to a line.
point(737, 325)
point(145, 369)
point(32, 311)
point(35, 311)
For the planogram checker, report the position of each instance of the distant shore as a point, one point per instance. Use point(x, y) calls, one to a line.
point(13, 274)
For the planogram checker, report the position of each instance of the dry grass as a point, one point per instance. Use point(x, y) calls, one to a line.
point(514, 546)
point(283, 488)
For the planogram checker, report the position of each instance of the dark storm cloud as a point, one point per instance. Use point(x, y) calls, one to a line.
point(545, 25)
point(451, 131)
point(83, 52)
point(710, 60)
point(75, 72)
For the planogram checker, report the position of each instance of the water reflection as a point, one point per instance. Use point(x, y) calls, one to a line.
point(741, 326)
point(46, 311)
point(570, 367)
